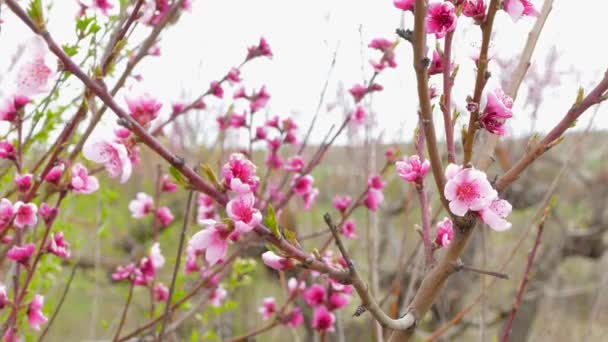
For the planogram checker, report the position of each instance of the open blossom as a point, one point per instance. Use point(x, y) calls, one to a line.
point(7, 151)
point(10, 107)
point(519, 8)
point(213, 241)
point(156, 257)
point(167, 185)
point(164, 216)
point(21, 253)
point(468, 189)
point(23, 182)
point(58, 246)
point(359, 91)
point(441, 18)
point(141, 206)
point(373, 198)
point(323, 320)
point(241, 209)
point(295, 318)
point(302, 185)
point(375, 182)
point(123, 272)
point(294, 164)
point(35, 70)
point(359, 115)
point(4, 301)
point(81, 182)
point(475, 9)
point(258, 100)
point(315, 295)
point(262, 49)
point(47, 212)
point(25, 214)
point(6, 212)
point(217, 296)
point(240, 173)
point(35, 317)
point(445, 232)
point(494, 215)
point(337, 300)
point(54, 175)
point(348, 229)
point(143, 108)
point(497, 110)
point(341, 203)
point(268, 308)
point(388, 54)
point(103, 6)
point(276, 262)
point(406, 5)
point(161, 293)
point(113, 155)
point(411, 169)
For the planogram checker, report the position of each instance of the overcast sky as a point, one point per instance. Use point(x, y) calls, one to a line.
point(304, 35)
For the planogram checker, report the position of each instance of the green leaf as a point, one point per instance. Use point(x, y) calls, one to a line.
point(579, 96)
point(178, 177)
point(271, 222)
point(70, 50)
point(210, 175)
point(34, 10)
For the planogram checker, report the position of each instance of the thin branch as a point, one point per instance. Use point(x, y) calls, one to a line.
point(60, 304)
point(180, 247)
point(125, 309)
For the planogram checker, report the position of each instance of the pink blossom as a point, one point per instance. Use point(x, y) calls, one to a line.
point(323, 320)
point(241, 209)
point(11, 106)
point(375, 182)
point(234, 76)
point(25, 214)
point(22, 253)
point(519, 8)
point(341, 203)
point(452, 170)
point(206, 209)
point(468, 190)
point(315, 295)
point(35, 317)
point(113, 155)
point(81, 182)
point(494, 215)
point(9, 335)
point(143, 108)
point(216, 89)
point(7, 151)
point(388, 54)
point(47, 212)
point(475, 9)
point(337, 300)
point(153, 12)
point(167, 185)
point(217, 296)
point(268, 308)
point(274, 144)
point(164, 216)
point(4, 301)
point(406, 5)
point(161, 293)
point(359, 115)
point(295, 318)
point(291, 138)
point(293, 285)
point(302, 185)
point(295, 164)
point(274, 122)
point(411, 169)
point(310, 197)
point(141, 206)
point(373, 198)
point(348, 229)
point(276, 262)
point(240, 171)
point(261, 50)
point(36, 69)
point(103, 6)
point(6, 213)
point(54, 175)
point(441, 18)
point(238, 120)
point(213, 241)
point(390, 154)
point(359, 91)
point(258, 100)
point(123, 272)
point(445, 232)
point(260, 133)
point(156, 257)
point(58, 246)
point(436, 66)
point(23, 182)
point(497, 110)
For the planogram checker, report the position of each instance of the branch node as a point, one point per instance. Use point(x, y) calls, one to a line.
point(406, 34)
point(360, 311)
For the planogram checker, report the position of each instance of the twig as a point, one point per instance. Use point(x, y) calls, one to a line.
point(424, 203)
point(182, 237)
point(448, 81)
point(525, 279)
point(60, 304)
point(460, 266)
point(124, 310)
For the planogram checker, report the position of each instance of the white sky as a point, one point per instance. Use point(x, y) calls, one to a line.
point(304, 35)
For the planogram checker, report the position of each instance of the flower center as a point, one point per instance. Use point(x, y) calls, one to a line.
point(467, 192)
